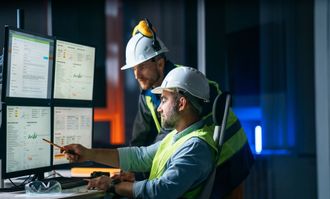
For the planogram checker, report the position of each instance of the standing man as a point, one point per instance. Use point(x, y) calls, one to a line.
point(145, 54)
point(181, 162)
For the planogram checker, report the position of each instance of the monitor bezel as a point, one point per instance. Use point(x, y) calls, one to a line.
point(5, 69)
point(64, 101)
point(70, 165)
point(42, 102)
point(25, 172)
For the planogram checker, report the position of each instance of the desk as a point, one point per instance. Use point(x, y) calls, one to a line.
point(74, 193)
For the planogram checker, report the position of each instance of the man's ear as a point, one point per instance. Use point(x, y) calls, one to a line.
point(160, 63)
point(182, 103)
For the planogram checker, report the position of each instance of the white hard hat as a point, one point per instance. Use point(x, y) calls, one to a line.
point(140, 49)
point(186, 79)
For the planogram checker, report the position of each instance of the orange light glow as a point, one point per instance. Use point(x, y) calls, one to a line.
point(114, 110)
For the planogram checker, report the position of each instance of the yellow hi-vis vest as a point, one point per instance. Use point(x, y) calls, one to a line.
point(167, 149)
point(230, 146)
point(235, 142)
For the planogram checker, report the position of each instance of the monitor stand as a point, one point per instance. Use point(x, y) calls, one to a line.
point(39, 176)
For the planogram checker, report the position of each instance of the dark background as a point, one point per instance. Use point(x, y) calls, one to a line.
point(261, 51)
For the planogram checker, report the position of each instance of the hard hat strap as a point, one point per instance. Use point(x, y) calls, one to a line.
point(155, 43)
point(146, 29)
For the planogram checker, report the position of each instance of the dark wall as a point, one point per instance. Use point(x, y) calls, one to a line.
point(83, 22)
point(243, 66)
point(35, 16)
point(262, 49)
point(215, 34)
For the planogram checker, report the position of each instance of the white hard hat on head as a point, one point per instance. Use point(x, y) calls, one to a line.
point(187, 79)
point(140, 49)
point(143, 45)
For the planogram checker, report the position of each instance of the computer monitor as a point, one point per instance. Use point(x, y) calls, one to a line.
point(28, 64)
point(71, 125)
point(25, 151)
point(74, 71)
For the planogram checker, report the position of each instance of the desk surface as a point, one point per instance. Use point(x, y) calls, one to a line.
point(74, 193)
point(77, 192)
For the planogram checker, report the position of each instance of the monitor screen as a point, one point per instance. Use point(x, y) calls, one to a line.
point(74, 71)
point(26, 126)
point(29, 63)
point(71, 125)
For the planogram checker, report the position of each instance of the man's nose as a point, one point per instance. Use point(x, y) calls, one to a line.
point(159, 108)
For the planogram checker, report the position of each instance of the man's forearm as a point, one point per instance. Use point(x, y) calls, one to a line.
point(105, 156)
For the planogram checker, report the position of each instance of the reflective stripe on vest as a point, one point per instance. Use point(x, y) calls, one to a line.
point(166, 149)
point(153, 113)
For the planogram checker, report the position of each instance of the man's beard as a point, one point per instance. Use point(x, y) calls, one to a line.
point(172, 118)
point(148, 83)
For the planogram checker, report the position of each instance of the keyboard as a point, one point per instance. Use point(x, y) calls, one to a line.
point(67, 183)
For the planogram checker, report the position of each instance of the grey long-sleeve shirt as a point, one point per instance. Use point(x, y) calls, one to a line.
point(186, 169)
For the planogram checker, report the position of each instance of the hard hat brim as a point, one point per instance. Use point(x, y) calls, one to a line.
point(157, 90)
point(132, 65)
point(164, 50)
point(126, 67)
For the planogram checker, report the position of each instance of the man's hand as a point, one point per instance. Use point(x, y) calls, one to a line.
point(106, 183)
point(77, 153)
point(100, 183)
point(125, 176)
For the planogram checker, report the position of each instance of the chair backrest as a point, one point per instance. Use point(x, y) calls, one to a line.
point(220, 112)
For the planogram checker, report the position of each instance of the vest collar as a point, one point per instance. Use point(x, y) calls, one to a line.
point(189, 129)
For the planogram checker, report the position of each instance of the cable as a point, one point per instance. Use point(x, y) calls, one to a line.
point(22, 184)
point(54, 173)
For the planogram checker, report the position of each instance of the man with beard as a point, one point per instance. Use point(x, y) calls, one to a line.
point(145, 54)
point(181, 162)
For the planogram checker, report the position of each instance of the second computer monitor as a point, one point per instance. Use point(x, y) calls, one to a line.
point(71, 125)
point(25, 151)
point(74, 71)
point(28, 60)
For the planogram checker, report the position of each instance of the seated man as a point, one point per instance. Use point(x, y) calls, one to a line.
point(181, 162)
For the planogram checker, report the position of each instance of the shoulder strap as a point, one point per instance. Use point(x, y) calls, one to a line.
point(153, 113)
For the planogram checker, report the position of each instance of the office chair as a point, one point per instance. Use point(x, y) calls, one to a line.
point(220, 113)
